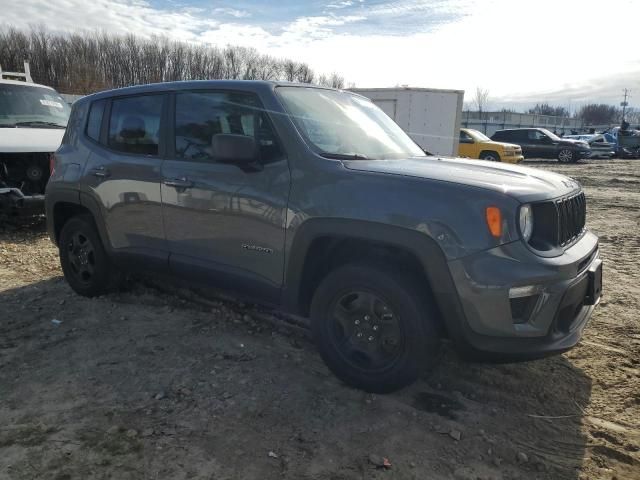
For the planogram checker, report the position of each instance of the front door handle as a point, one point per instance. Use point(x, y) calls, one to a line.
point(182, 182)
point(100, 171)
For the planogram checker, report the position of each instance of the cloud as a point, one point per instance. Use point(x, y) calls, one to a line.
point(117, 16)
point(231, 12)
point(346, 3)
point(560, 51)
point(343, 4)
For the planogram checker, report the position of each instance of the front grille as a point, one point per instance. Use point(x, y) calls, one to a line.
point(557, 223)
point(572, 215)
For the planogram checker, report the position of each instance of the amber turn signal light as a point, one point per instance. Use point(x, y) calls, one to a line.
point(494, 221)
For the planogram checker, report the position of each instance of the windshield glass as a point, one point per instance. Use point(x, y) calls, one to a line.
point(28, 106)
point(477, 135)
point(342, 124)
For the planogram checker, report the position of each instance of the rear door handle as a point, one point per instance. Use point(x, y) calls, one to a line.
point(100, 171)
point(181, 182)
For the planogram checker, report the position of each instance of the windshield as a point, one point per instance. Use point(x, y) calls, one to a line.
point(344, 125)
point(28, 106)
point(477, 135)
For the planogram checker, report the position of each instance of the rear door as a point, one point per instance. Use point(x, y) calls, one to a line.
point(123, 174)
point(225, 224)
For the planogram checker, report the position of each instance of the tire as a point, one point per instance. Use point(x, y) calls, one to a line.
point(490, 156)
point(357, 303)
point(85, 264)
point(566, 156)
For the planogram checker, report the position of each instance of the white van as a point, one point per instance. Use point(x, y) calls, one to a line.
point(33, 119)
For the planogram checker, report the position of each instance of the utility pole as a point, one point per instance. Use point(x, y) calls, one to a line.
point(624, 104)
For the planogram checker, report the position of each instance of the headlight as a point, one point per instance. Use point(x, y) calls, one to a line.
point(526, 222)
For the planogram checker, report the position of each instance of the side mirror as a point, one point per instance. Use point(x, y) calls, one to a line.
point(231, 148)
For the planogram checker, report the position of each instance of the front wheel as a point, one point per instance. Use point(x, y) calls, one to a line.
point(490, 157)
point(566, 156)
point(373, 327)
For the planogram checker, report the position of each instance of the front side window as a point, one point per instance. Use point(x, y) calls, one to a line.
point(200, 116)
point(134, 126)
point(344, 125)
point(543, 132)
point(32, 107)
point(479, 136)
point(536, 135)
point(465, 137)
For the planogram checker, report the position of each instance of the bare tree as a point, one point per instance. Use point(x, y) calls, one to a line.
point(88, 62)
point(481, 99)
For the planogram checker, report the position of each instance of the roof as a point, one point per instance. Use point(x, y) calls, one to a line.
point(24, 84)
point(253, 85)
point(406, 89)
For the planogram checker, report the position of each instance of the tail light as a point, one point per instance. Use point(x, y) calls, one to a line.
point(52, 163)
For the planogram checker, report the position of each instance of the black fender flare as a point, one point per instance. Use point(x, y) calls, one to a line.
point(93, 206)
point(54, 197)
point(422, 246)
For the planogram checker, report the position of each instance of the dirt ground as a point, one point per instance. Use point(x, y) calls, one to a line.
point(149, 385)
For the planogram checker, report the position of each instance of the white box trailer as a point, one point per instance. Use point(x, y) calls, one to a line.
point(430, 116)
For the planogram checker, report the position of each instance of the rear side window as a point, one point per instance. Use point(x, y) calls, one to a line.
point(94, 122)
point(134, 126)
point(202, 115)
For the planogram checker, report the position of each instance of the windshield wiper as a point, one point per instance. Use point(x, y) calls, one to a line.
point(7, 125)
point(39, 124)
point(344, 156)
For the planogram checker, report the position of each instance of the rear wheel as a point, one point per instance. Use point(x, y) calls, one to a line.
point(374, 329)
point(84, 262)
point(566, 156)
point(490, 156)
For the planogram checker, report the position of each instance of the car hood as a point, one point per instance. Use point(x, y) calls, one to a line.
point(27, 140)
point(524, 184)
point(502, 144)
point(571, 141)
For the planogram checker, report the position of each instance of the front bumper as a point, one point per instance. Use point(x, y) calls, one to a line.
point(519, 305)
point(13, 203)
point(584, 153)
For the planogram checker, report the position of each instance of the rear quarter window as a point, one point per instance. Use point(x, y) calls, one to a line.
point(94, 119)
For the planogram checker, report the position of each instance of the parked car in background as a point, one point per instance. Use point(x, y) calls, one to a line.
point(33, 119)
point(541, 143)
point(475, 144)
point(315, 201)
point(600, 147)
point(628, 141)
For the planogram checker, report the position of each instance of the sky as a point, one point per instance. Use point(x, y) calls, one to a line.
point(565, 52)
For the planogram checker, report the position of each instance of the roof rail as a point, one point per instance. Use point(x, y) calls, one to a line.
point(22, 77)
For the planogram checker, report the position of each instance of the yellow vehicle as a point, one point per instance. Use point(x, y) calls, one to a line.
point(475, 144)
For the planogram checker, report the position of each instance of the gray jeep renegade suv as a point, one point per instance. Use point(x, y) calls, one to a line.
point(314, 201)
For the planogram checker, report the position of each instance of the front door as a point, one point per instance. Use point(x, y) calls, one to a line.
point(540, 145)
point(225, 223)
point(466, 146)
